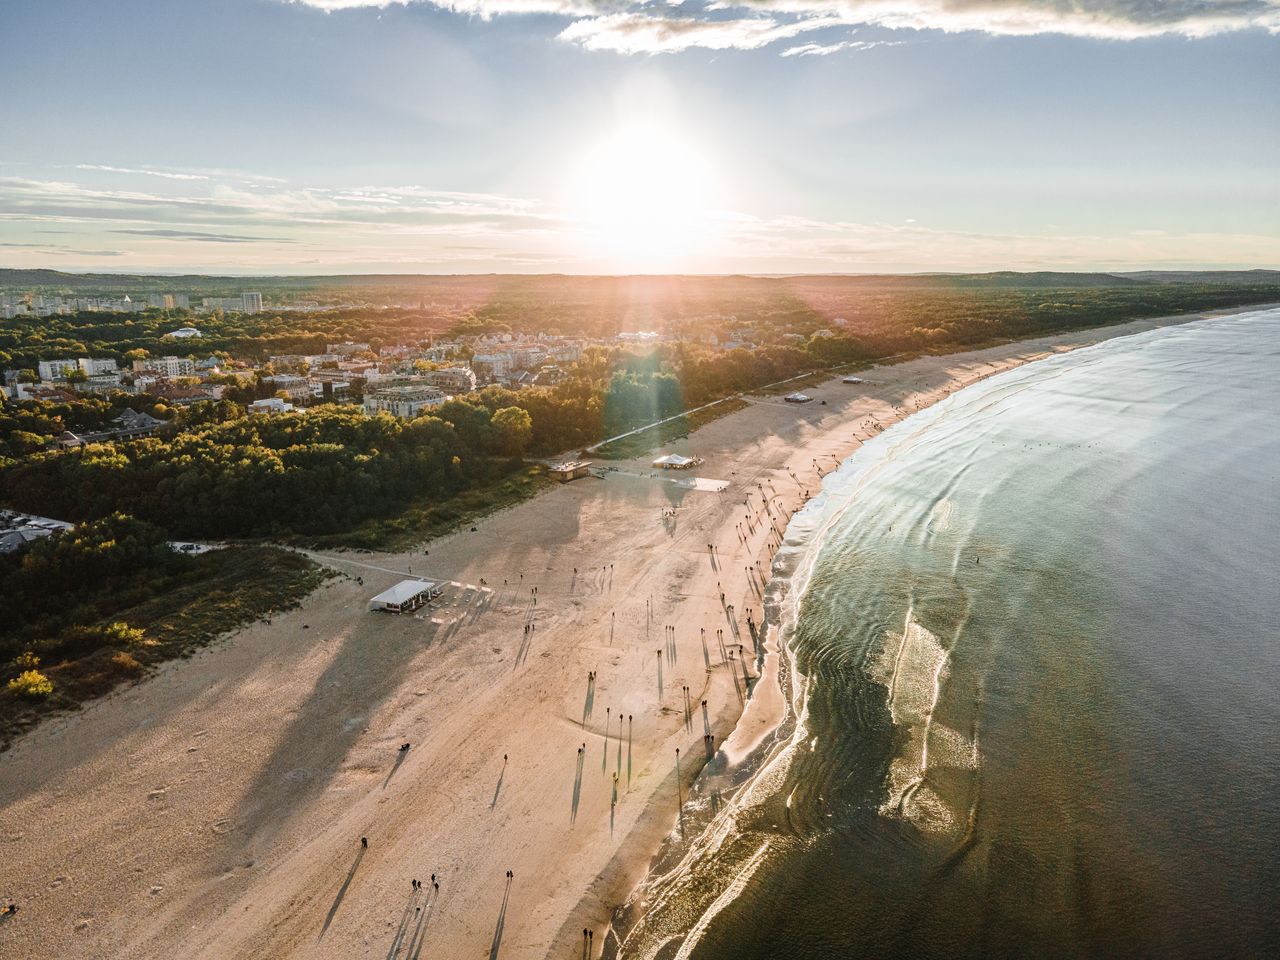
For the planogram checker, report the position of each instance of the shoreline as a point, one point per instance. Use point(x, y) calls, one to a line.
point(217, 807)
point(768, 713)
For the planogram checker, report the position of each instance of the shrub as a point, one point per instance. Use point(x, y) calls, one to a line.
point(120, 632)
point(31, 683)
point(26, 661)
point(126, 662)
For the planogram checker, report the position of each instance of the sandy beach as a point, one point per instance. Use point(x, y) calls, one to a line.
point(217, 808)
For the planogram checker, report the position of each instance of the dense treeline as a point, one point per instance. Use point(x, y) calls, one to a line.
point(81, 577)
point(26, 340)
point(32, 425)
point(258, 476)
point(91, 608)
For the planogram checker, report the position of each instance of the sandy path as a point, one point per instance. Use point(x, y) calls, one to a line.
point(216, 809)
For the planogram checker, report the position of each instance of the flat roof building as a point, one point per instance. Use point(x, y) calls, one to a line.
point(405, 402)
point(572, 470)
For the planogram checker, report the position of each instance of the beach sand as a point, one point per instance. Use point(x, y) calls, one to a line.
point(216, 809)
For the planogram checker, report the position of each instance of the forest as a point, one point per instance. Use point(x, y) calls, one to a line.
point(97, 607)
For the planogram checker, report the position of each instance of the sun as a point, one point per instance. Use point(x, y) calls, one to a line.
point(644, 199)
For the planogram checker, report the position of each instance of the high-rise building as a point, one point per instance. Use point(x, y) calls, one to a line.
point(252, 302)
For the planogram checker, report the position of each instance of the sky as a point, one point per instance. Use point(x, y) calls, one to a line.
point(623, 136)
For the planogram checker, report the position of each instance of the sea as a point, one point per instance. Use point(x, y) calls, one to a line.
point(1031, 647)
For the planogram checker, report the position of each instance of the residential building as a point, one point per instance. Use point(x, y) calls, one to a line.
point(19, 529)
point(129, 425)
point(184, 333)
point(102, 383)
point(491, 366)
point(182, 396)
point(294, 387)
point(405, 402)
point(452, 380)
point(56, 369)
point(329, 389)
point(270, 406)
point(549, 376)
point(167, 366)
point(42, 391)
point(252, 302)
point(94, 366)
point(347, 349)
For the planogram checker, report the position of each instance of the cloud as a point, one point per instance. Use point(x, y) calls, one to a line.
point(647, 33)
point(203, 237)
point(233, 208)
point(485, 9)
point(137, 171)
point(407, 227)
point(1100, 19)
point(825, 49)
point(639, 26)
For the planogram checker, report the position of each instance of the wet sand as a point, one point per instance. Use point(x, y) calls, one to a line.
point(216, 809)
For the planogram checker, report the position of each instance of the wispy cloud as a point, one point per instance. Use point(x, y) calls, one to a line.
point(641, 27)
point(198, 236)
point(825, 49)
point(484, 9)
point(649, 33)
point(141, 172)
point(417, 228)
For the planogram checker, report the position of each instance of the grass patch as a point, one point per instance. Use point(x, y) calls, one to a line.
point(649, 440)
point(217, 593)
point(430, 519)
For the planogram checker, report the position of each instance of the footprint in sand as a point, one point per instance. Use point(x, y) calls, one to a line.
point(56, 882)
point(300, 775)
point(84, 922)
point(158, 793)
point(222, 827)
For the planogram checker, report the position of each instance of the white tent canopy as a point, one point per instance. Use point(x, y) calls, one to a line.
point(406, 595)
point(674, 461)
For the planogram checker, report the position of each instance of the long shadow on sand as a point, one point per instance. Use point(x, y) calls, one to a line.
point(368, 667)
point(342, 891)
point(502, 922)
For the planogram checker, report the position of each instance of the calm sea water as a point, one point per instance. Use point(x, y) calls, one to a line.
point(1034, 643)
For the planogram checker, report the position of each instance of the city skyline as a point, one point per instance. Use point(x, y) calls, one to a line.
point(524, 136)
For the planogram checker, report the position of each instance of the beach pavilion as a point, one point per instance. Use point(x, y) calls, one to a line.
point(407, 595)
point(674, 461)
point(570, 470)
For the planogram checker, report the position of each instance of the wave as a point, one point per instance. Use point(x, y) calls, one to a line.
point(934, 766)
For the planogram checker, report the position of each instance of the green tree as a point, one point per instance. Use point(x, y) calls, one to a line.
point(513, 428)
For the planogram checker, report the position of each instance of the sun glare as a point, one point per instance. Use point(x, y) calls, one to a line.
point(645, 199)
